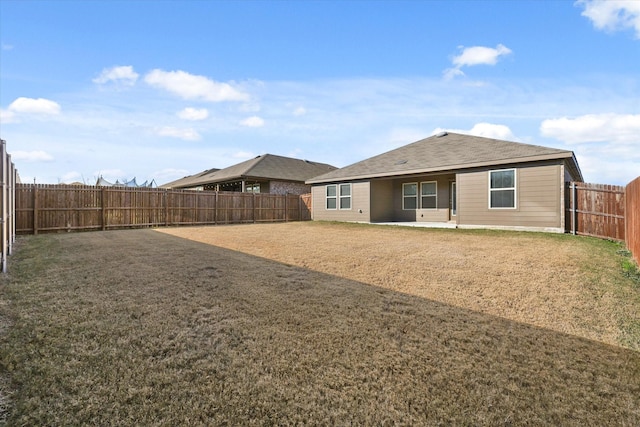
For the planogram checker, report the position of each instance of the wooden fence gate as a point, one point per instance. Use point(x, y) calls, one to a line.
point(596, 210)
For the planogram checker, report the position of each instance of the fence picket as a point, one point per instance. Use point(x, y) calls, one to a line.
point(76, 208)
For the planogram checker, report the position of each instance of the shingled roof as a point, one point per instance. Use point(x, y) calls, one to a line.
point(446, 152)
point(264, 167)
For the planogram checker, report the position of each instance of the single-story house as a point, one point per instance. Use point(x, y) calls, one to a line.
point(267, 173)
point(452, 180)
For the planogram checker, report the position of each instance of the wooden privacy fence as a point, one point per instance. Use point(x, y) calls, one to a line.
point(596, 210)
point(50, 208)
point(632, 196)
point(8, 178)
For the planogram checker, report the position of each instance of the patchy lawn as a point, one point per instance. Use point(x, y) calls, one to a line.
point(318, 323)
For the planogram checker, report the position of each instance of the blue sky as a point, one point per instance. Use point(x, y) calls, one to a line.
point(163, 89)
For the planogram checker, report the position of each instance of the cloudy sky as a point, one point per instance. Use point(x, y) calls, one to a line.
point(163, 89)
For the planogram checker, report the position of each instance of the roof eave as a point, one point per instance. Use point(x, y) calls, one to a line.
point(554, 156)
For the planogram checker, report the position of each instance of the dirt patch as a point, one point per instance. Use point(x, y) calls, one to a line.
point(531, 278)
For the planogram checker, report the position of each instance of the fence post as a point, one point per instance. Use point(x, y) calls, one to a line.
point(35, 209)
point(215, 209)
point(574, 210)
point(3, 202)
point(12, 204)
point(166, 207)
point(104, 210)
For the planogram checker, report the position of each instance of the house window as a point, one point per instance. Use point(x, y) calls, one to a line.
point(332, 196)
point(502, 189)
point(338, 196)
point(252, 188)
point(345, 196)
point(429, 195)
point(410, 196)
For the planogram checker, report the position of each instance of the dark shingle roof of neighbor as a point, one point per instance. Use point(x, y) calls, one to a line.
point(266, 166)
point(188, 180)
point(446, 152)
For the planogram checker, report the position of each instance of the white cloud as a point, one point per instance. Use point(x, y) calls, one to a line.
point(451, 73)
point(193, 114)
point(187, 134)
point(612, 15)
point(123, 74)
point(243, 155)
point(74, 177)
point(190, 86)
point(6, 46)
point(31, 156)
point(487, 130)
point(253, 122)
point(614, 128)
point(169, 174)
point(34, 106)
point(475, 55)
point(7, 116)
point(300, 111)
point(480, 55)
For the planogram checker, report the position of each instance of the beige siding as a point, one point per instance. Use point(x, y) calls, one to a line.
point(538, 199)
point(360, 198)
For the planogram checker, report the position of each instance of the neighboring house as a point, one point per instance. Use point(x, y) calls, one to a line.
point(452, 180)
point(133, 183)
point(267, 173)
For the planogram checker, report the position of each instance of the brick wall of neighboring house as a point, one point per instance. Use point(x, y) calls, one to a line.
point(283, 187)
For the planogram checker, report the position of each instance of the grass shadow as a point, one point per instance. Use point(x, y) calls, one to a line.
point(139, 327)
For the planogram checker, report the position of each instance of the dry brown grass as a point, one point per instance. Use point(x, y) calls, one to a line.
point(142, 328)
point(557, 282)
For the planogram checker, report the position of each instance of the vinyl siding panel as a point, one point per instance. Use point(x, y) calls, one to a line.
point(360, 198)
point(538, 198)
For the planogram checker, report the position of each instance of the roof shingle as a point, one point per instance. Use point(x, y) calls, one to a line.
point(444, 152)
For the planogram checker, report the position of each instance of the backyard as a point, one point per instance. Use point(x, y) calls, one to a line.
point(319, 323)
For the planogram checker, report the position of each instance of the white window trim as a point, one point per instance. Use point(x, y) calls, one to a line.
point(416, 196)
point(434, 195)
point(514, 188)
point(327, 197)
point(340, 197)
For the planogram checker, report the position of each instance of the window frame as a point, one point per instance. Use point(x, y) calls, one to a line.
point(342, 197)
point(434, 195)
point(514, 189)
point(327, 197)
point(405, 197)
point(338, 197)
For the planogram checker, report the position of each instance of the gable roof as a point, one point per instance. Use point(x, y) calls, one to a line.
point(446, 152)
point(263, 167)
